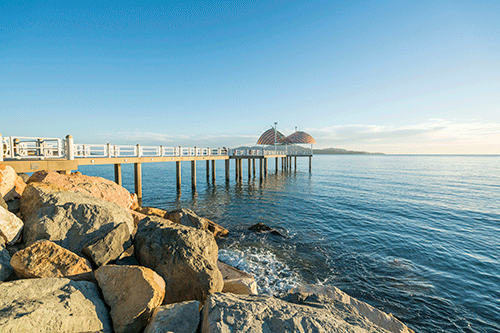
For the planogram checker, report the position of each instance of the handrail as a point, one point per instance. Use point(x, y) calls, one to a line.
point(12, 148)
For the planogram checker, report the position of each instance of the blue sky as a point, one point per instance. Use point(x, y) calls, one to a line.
point(405, 77)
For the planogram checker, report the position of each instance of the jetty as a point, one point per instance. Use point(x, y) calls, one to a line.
point(28, 154)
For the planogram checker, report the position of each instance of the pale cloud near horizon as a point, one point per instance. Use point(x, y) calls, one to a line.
point(434, 136)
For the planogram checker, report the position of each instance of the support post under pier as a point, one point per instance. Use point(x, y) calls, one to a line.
point(178, 174)
point(213, 172)
point(138, 181)
point(227, 169)
point(118, 174)
point(193, 175)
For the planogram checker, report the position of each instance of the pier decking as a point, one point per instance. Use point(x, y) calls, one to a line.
point(26, 154)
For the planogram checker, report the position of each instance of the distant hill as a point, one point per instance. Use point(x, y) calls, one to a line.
point(339, 151)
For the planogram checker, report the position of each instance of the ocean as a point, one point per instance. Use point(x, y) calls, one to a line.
point(415, 236)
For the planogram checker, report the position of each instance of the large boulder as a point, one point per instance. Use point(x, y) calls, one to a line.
point(5, 267)
point(297, 313)
point(95, 186)
point(374, 315)
point(11, 185)
point(181, 317)
point(69, 219)
point(189, 218)
point(185, 257)
point(109, 247)
point(52, 305)
point(132, 293)
point(10, 226)
point(44, 259)
point(236, 281)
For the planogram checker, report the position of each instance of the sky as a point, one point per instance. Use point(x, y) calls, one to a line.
point(399, 77)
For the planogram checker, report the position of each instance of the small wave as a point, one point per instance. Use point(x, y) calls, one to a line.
point(273, 277)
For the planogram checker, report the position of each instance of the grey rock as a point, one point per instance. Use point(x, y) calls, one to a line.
point(24, 176)
point(262, 228)
point(69, 219)
point(52, 305)
point(181, 317)
point(14, 206)
point(5, 268)
point(185, 257)
point(109, 247)
point(188, 218)
point(296, 313)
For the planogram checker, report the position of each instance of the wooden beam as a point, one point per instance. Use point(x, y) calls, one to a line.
point(178, 174)
point(213, 172)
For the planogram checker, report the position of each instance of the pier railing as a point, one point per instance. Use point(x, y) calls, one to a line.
point(18, 148)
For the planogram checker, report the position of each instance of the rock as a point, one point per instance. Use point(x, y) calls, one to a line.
point(137, 217)
point(216, 230)
point(109, 247)
point(24, 176)
point(188, 218)
point(300, 313)
point(6, 269)
point(10, 226)
point(132, 293)
point(7, 178)
point(52, 305)
point(14, 206)
point(153, 211)
point(374, 315)
point(17, 189)
point(185, 257)
point(236, 281)
point(3, 204)
point(44, 259)
point(127, 258)
point(262, 228)
point(69, 219)
point(95, 186)
point(181, 317)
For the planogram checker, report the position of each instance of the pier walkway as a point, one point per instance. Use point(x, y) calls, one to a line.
point(26, 154)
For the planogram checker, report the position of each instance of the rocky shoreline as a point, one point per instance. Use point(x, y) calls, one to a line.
point(78, 254)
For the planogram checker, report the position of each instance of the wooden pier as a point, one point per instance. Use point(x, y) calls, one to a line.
point(63, 155)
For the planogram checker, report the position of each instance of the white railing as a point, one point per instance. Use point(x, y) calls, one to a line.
point(25, 147)
point(41, 148)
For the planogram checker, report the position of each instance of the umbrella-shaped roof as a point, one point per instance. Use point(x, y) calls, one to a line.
point(299, 137)
point(267, 138)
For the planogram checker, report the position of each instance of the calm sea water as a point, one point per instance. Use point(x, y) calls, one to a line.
point(416, 236)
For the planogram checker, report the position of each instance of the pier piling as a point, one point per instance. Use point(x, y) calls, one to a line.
point(193, 175)
point(138, 181)
point(118, 174)
point(178, 174)
point(213, 172)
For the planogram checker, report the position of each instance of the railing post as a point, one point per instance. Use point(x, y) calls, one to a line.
point(195, 151)
point(70, 148)
point(209, 151)
point(115, 151)
point(180, 151)
point(1, 148)
point(162, 152)
point(108, 147)
point(138, 146)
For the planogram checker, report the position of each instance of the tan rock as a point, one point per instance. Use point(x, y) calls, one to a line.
point(17, 190)
point(135, 201)
point(153, 211)
point(215, 229)
point(236, 281)
point(377, 317)
point(185, 257)
point(137, 217)
point(44, 259)
point(10, 226)
point(8, 177)
point(181, 317)
point(96, 186)
point(132, 293)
